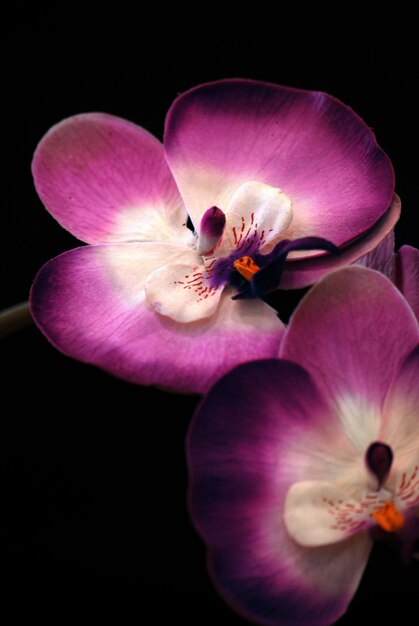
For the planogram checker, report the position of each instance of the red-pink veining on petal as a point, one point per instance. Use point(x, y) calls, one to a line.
point(408, 490)
point(246, 240)
point(351, 518)
point(197, 282)
point(348, 517)
point(246, 236)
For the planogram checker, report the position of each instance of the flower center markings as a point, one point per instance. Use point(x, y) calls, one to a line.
point(388, 508)
point(384, 506)
point(243, 249)
point(219, 271)
point(230, 244)
point(247, 240)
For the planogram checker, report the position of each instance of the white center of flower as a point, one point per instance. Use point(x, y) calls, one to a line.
point(319, 513)
point(254, 220)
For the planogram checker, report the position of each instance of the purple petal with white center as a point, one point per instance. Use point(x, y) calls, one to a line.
point(351, 332)
point(407, 275)
point(260, 429)
point(308, 144)
point(302, 272)
point(91, 304)
point(106, 180)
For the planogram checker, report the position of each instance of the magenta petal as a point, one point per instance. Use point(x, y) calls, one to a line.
point(407, 275)
point(90, 303)
point(351, 332)
point(260, 429)
point(373, 249)
point(106, 180)
point(308, 144)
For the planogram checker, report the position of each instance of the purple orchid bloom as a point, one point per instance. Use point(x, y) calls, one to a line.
point(263, 172)
point(297, 463)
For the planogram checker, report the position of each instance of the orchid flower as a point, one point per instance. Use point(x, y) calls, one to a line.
point(263, 171)
point(297, 463)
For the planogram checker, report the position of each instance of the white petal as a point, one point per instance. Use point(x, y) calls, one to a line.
point(151, 223)
point(317, 513)
point(182, 293)
point(128, 265)
point(360, 419)
point(256, 213)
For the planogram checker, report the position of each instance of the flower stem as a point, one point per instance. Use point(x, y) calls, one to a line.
point(14, 318)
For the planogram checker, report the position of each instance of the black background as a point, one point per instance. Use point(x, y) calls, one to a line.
point(93, 480)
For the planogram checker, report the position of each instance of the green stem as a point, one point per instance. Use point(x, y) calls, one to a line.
point(14, 318)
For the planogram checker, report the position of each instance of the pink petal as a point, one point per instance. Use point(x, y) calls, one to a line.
point(407, 275)
point(351, 332)
point(311, 146)
point(90, 303)
point(106, 180)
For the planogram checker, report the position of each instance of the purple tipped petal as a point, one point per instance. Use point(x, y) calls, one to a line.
point(351, 332)
point(90, 303)
point(407, 275)
point(260, 429)
point(211, 229)
point(308, 144)
point(300, 272)
point(106, 180)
